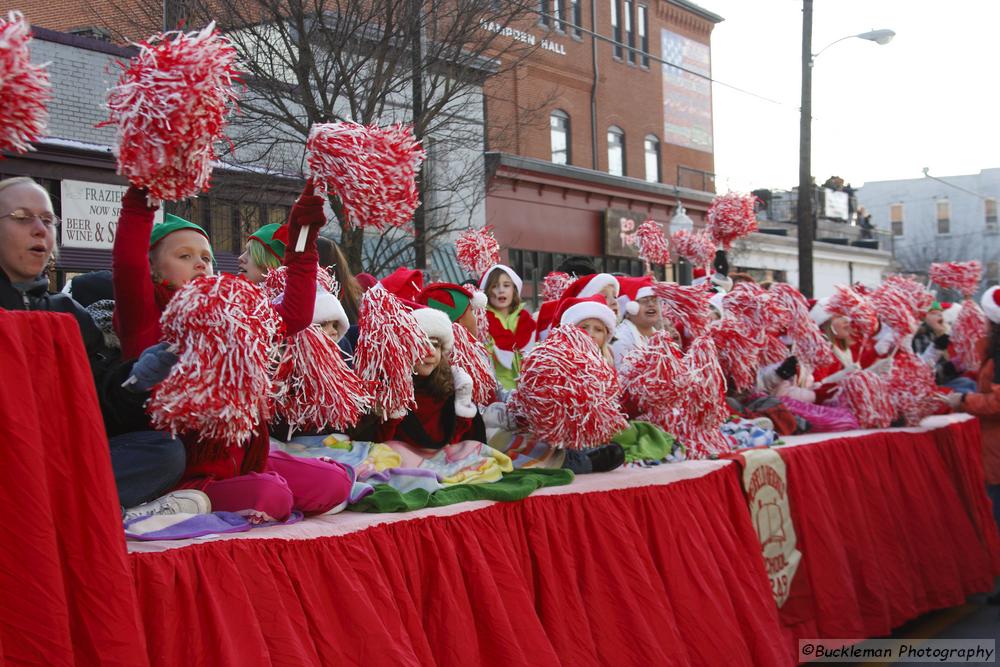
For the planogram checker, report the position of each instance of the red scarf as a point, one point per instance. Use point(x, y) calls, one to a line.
point(504, 338)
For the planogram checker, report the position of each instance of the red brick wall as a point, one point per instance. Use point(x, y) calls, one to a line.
point(629, 96)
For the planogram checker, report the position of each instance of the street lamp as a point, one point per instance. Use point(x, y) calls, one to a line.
point(806, 214)
point(682, 221)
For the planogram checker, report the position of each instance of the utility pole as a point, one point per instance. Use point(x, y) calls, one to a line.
point(806, 213)
point(417, 80)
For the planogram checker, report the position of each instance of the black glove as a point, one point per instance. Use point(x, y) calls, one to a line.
point(152, 367)
point(721, 263)
point(788, 368)
point(942, 341)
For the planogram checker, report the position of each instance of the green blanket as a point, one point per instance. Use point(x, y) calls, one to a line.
point(643, 441)
point(512, 486)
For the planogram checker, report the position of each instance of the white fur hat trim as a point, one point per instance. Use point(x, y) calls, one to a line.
point(597, 283)
point(329, 309)
point(819, 313)
point(590, 310)
point(514, 278)
point(436, 325)
point(990, 306)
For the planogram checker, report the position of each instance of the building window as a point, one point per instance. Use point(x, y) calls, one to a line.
point(616, 29)
point(629, 31)
point(557, 14)
point(559, 135)
point(651, 148)
point(991, 214)
point(896, 219)
point(992, 273)
point(576, 16)
point(616, 151)
point(641, 22)
point(543, 13)
point(943, 217)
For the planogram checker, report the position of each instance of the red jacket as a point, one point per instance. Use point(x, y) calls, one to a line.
point(139, 304)
point(985, 404)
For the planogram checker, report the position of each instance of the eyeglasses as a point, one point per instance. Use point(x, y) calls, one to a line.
point(24, 216)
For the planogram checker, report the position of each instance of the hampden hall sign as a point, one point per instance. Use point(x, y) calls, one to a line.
point(522, 36)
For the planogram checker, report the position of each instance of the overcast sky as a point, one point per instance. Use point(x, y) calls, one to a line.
point(927, 99)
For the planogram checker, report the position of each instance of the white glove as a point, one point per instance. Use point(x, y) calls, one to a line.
point(464, 407)
point(496, 416)
point(884, 340)
point(881, 367)
point(953, 400)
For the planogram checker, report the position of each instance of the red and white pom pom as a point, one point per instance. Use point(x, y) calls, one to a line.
point(568, 393)
point(845, 302)
point(970, 327)
point(772, 351)
point(372, 170)
point(471, 356)
point(731, 216)
point(867, 396)
point(738, 347)
point(554, 285)
point(919, 297)
point(912, 388)
point(696, 247)
point(746, 302)
point(476, 250)
point(702, 410)
point(170, 106)
point(24, 88)
point(653, 374)
point(653, 245)
point(222, 328)
point(808, 342)
point(962, 277)
point(390, 343)
point(895, 309)
point(686, 307)
point(314, 389)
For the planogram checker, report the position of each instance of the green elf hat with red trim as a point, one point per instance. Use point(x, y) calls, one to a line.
point(451, 299)
point(172, 223)
point(274, 238)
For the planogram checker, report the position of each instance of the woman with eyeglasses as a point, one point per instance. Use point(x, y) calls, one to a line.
point(27, 241)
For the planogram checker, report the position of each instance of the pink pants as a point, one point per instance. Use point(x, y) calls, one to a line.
point(288, 482)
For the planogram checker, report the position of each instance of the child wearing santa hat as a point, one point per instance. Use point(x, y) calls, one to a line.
point(642, 316)
point(985, 401)
point(604, 284)
point(150, 263)
point(511, 326)
point(593, 316)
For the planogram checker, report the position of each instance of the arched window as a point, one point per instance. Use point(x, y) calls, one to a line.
point(651, 150)
point(616, 151)
point(559, 136)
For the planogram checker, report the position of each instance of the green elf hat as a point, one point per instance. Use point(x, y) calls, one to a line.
point(449, 298)
point(172, 223)
point(274, 238)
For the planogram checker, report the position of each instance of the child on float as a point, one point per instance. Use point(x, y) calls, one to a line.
point(984, 402)
point(512, 328)
point(642, 316)
point(444, 432)
point(149, 265)
point(603, 284)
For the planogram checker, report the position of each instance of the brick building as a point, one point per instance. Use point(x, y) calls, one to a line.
point(595, 130)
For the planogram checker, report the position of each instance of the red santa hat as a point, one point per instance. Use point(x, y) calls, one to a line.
point(436, 325)
point(572, 311)
point(586, 286)
point(514, 278)
point(329, 309)
point(991, 304)
point(546, 315)
point(631, 290)
point(699, 276)
point(405, 284)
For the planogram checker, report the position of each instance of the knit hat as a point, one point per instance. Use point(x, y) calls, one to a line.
point(329, 309)
point(631, 290)
point(405, 284)
point(172, 223)
point(514, 278)
point(586, 286)
point(819, 313)
point(102, 312)
point(92, 287)
point(991, 304)
point(451, 299)
point(572, 311)
point(273, 237)
point(436, 325)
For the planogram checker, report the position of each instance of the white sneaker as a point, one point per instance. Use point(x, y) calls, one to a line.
point(185, 501)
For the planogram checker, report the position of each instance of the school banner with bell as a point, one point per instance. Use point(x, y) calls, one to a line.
point(765, 482)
